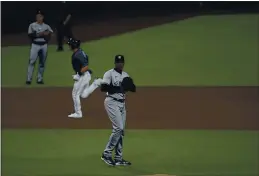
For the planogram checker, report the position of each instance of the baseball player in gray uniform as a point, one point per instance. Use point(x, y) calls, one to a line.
point(39, 33)
point(114, 104)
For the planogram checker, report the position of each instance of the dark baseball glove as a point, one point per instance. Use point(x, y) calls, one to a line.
point(128, 84)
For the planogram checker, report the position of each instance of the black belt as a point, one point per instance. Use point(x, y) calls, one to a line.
point(116, 99)
point(39, 43)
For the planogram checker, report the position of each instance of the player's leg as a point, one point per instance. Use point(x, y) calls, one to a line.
point(76, 92)
point(87, 78)
point(60, 37)
point(119, 161)
point(76, 99)
point(32, 60)
point(42, 60)
point(119, 146)
point(114, 115)
point(90, 89)
point(68, 31)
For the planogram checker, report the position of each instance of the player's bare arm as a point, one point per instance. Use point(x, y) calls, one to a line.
point(67, 19)
point(84, 69)
point(46, 33)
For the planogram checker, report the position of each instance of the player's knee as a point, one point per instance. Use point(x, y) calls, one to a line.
point(31, 62)
point(75, 94)
point(84, 94)
point(78, 94)
point(41, 65)
point(118, 130)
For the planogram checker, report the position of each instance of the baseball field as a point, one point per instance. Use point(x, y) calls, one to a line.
point(195, 112)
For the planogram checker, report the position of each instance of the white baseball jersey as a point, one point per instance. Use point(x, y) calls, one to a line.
point(112, 77)
point(38, 28)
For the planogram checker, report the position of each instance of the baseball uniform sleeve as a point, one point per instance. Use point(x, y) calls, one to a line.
point(80, 61)
point(30, 29)
point(49, 29)
point(83, 59)
point(32, 34)
point(76, 65)
point(106, 83)
point(126, 74)
point(106, 78)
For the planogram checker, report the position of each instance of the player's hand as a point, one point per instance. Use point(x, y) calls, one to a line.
point(46, 33)
point(40, 34)
point(76, 77)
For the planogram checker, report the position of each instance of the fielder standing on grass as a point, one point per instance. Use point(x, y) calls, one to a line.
point(40, 34)
point(116, 83)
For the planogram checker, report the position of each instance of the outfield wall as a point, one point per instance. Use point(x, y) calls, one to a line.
point(90, 12)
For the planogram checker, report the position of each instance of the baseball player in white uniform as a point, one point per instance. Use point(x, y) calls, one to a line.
point(114, 104)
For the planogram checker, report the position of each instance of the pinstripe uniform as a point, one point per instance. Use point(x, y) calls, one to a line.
point(115, 107)
point(39, 47)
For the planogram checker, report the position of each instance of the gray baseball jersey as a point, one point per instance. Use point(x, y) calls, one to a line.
point(112, 77)
point(38, 48)
point(115, 107)
point(38, 28)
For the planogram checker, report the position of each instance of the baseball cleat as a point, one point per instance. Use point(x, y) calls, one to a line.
point(75, 115)
point(60, 49)
point(122, 162)
point(108, 160)
point(40, 82)
point(28, 82)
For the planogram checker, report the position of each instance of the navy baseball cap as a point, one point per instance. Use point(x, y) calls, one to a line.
point(39, 12)
point(119, 58)
point(74, 43)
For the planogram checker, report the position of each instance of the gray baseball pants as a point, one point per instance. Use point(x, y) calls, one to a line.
point(41, 52)
point(117, 114)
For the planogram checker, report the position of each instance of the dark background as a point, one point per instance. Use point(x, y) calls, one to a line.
point(16, 16)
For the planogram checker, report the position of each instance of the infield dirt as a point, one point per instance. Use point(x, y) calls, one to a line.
point(150, 108)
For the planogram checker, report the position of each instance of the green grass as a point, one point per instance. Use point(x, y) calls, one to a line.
point(179, 152)
point(201, 51)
